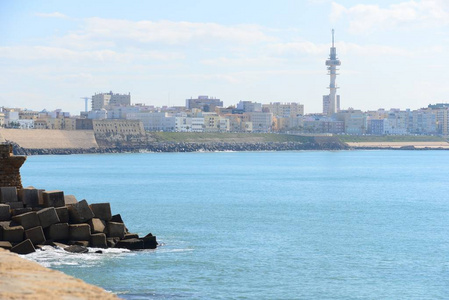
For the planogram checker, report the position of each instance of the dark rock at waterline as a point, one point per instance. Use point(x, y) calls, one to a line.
point(76, 249)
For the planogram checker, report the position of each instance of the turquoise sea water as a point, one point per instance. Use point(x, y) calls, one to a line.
point(264, 225)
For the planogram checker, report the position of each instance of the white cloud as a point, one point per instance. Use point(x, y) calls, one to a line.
point(366, 18)
point(307, 47)
point(52, 15)
point(45, 53)
point(114, 32)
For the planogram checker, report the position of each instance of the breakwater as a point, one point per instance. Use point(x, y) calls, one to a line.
point(31, 218)
point(328, 143)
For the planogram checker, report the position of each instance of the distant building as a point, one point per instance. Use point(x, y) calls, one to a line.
point(204, 103)
point(355, 121)
point(123, 127)
point(105, 100)
point(326, 104)
point(249, 106)
point(286, 110)
point(154, 121)
point(261, 122)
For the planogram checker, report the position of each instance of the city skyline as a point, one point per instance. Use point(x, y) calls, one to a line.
point(54, 53)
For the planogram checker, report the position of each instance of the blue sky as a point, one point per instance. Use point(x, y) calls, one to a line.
point(393, 53)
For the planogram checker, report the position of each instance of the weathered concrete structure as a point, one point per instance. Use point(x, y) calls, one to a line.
point(9, 169)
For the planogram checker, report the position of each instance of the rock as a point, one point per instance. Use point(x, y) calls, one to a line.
point(98, 240)
point(5, 245)
point(112, 242)
point(80, 212)
point(48, 216)
point(13, 234)
point(58, 232)
point(14, 205)
point(35, 235)
point(29, 196)
point(99, 252)
point(150, 241)
point(101, 211)
point(60, 245)
point(5, 213)
point(63, 214)
point(70, 199)
point(19, 211)
point(53, 198)
point(131, 236)
point(8, 194)
point(131, 244)
point(27, 220)
point(25, 247)
point(76, 249)
point(80, 243)
point(79, 232)
point(116, 229)
point(97, 225)
point(117, 218)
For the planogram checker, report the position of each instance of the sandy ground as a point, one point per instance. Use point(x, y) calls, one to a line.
point(23, 279)
point(50, 139)
point(400, 144)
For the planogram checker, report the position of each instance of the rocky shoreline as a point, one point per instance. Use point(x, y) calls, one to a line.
point(313, 144)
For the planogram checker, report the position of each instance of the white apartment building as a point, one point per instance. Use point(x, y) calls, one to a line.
point(261, 122)
point(286, 110)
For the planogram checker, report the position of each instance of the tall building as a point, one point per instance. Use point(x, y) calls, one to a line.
point(330, 102)
point(106, 100)
point(205, 103)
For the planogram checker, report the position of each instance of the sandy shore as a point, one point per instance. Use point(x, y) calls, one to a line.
point(418, 145)
point(23, 279)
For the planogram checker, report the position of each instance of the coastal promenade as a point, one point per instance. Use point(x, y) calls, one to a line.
point(24, 279)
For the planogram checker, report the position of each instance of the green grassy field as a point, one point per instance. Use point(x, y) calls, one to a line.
point(389, 138)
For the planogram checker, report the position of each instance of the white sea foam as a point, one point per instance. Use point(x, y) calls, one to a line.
point(55, 256)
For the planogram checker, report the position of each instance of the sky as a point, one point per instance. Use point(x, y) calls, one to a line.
point(393, 53)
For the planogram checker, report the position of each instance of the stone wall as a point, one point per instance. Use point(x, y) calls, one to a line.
point(10, 167)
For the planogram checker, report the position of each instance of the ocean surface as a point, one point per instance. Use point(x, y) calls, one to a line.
point(263, 225)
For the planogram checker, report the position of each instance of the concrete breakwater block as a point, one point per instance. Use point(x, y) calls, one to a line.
point(150, 241)
point(70, 199)
point(27, 220)
point(97, 225)
point(115, 229)
point(53, 198)
point(29, 196)
point(48, 216)
point(98, 240)
point(19, 211)
point(25, 247)
point(58, 232)
point(5, 213)
point(5, 245)
point(101, 211)
point(15, 205)
point(80, 212)
point(8, 194)
point(63, 214)
point(13, 234)
point(35, 235)
point(79, 232)
point(131, 244)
